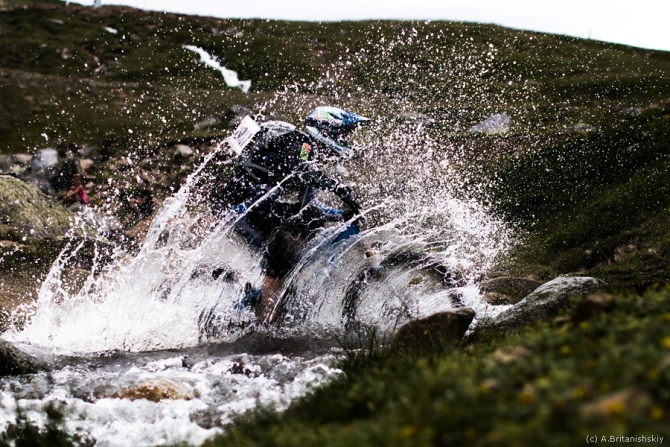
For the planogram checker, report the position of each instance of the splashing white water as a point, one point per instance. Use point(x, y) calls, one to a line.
point(94, 399)
point(155, 300)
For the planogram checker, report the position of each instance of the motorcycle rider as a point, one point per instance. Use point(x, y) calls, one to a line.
point(278, 160)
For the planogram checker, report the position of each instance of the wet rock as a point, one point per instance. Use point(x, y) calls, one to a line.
point(40, 182)
point(4, 320)
point(23, 159)
point(25, 212)
point(6, 163)
point(157, 390)
point(206, 122)
point(182, 153)
point(515, 289)
point(14, 362)
point(60, 174)
point(495, 124)
point(235, 114)
point(86, 164)
point(44, 158)
point(205, 418)
point(627, 402)
point(73, 279)
point(544, 303)
point(438, 329)
point(497, 299)
point(591, 306)
point(582, 128)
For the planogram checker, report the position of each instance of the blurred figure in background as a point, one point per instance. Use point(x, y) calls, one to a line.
point(76, 194)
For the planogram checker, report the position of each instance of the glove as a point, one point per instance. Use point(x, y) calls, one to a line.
point(345, 193)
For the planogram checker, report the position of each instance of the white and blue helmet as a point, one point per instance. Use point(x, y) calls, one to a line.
point(333, 127)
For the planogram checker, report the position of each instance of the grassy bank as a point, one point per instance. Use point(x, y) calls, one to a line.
point(552, 384)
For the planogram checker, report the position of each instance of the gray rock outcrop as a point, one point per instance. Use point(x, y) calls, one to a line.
point(544, 303)
point(435, 330)
point(14, 362)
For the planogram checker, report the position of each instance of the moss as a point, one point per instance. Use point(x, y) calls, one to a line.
point(27, 213)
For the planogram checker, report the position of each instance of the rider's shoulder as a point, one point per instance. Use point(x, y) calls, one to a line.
point(280, 129)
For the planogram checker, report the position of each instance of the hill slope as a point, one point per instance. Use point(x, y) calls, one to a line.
point(583, 174)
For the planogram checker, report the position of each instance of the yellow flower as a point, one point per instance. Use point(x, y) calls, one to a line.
point(616, 407)
point(584, 324)
point(408, 431)
point(666, 342)
point(656, 412)
point(526, 397)
point(580, 392)
point(565, 350)
point(653, 374)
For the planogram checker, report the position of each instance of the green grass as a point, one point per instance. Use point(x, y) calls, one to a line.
point(567, 386)
point(591, 195)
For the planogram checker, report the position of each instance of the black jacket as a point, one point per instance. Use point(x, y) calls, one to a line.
point(279, 159)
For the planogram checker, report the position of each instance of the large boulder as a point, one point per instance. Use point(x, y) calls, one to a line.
point(436, 330)
point(14, 362)
point(544, 303)
point(26, 212)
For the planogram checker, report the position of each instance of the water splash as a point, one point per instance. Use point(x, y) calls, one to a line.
point(419, 233)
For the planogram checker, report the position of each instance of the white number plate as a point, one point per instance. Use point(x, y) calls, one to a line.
point(243, 134)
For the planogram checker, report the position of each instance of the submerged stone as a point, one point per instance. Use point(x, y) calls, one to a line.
point(438, 329)
point(494, 124)
point(14, 362)
point(497, 299)
point(157, 390)
point(44, 158)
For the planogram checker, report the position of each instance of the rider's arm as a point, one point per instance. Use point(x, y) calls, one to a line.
point(310, 176)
